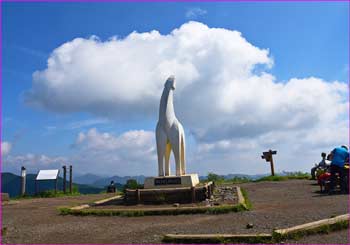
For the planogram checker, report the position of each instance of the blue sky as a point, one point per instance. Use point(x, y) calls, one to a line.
point(303, 40)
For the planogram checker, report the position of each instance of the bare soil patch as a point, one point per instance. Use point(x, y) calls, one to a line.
point(275, 205)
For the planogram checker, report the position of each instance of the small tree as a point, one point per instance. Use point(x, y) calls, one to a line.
point(131, 184)
point(215, 178)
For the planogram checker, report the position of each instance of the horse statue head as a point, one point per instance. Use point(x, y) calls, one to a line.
point(170, 83)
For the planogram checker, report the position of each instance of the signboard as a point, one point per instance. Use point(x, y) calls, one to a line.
point(47, 174)
point(267, 155)
point(167, 181)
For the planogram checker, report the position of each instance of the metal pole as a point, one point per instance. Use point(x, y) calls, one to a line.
point(64, 178)
point(23, 181)
point(71, 179)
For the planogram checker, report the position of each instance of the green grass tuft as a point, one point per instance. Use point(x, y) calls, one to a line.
point(219, 179)
point(248, 204)
point(218, 240)
point(48, 194)
point(288, 176)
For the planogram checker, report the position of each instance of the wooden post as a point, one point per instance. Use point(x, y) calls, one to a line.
point(210, 186)
point(23, 181)
point(71, 179)
point(267, 155)
point(271, 162)
point(64, 178)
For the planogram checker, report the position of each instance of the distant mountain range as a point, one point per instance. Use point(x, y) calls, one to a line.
point(11, 184)
point(95, 180)
point(252, 177)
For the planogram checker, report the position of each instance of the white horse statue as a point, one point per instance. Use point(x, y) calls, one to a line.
point(169, 133)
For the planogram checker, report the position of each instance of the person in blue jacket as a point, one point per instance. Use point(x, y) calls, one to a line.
point(339, 156)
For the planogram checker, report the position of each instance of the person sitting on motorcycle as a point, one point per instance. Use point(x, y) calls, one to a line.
point(339, 156)
point(321, 164)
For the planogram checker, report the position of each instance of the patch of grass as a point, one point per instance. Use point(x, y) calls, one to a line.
point(52, 193)
point(248, 204)
point(237, 180)
point(288, 176)
point(64, 210)
point(218, 240)
point(219, 179)
point(272, 178)
point(49, 194)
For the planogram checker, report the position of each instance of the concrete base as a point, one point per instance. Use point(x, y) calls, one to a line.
point(188, 180)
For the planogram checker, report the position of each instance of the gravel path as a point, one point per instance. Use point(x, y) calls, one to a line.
point(275, 205)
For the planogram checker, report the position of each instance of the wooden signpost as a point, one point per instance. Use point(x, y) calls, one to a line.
point(267, 155)
point(71, 179)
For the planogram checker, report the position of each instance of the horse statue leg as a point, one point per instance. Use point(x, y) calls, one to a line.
point(167, 158)
point(175, 145)
point(161, 140)
point(183, 154)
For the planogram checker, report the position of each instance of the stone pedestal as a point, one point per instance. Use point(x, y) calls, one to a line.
point(188, 180)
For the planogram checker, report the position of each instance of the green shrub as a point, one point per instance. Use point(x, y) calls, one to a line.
point(219, 179)
point(215, 178)
point(132, 184)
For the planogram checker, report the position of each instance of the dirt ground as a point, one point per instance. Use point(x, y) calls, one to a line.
point(275, 205)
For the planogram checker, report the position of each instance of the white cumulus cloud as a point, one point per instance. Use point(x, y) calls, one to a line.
point(132, 152)
point(221, 98)
point(33, 162)
point(101, 152)
point(123, 78)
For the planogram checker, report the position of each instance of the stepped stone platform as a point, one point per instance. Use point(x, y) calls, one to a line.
point(222, 195)
point(170, 195)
